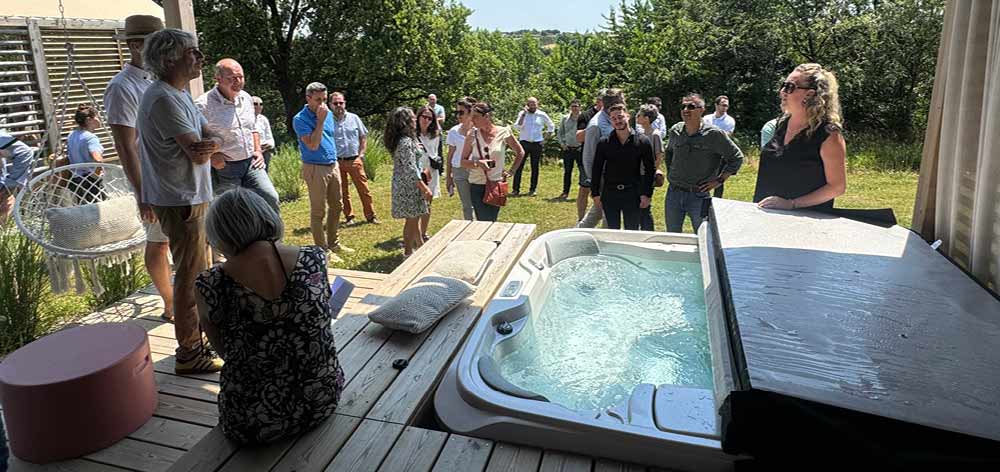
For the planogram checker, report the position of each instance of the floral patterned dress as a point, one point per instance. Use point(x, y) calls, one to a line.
point(407, 201)
point(281, 375)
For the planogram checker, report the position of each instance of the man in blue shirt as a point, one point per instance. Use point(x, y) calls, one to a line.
point(315, 128)
point(15, 168)
point(351, 137)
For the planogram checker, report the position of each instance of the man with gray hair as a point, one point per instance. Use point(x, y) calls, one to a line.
point(121, 102)
point(315, 129)
point(263, 126)
point(175, 146)
point(599, 127)
point(229, 111)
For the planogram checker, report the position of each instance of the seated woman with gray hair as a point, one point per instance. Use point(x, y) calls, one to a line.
point(266, 311)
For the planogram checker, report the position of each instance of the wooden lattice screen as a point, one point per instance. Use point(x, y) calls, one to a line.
point(33, 63)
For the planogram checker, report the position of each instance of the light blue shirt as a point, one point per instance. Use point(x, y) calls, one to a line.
point(347, 133)
point(767, 132)
point(534, 125)
point(304, 124)
point(598, 127)
point(15, 162)
point(80, 144)
point(439, 110)
point(725, 122)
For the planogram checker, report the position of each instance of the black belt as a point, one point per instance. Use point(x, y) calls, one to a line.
point(685, 188)
point(618, 186)
point(348, 158)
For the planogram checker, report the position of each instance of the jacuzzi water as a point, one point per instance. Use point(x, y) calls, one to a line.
point(609, 324)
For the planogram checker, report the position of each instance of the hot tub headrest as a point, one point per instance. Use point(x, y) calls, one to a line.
point(569, 245)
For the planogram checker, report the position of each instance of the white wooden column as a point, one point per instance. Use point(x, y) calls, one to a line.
point(180, 14)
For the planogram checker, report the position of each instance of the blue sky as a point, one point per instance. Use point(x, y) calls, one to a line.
point(512, 15)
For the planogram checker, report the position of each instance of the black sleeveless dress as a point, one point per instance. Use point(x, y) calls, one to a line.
point(794, 170)
point(281, 376)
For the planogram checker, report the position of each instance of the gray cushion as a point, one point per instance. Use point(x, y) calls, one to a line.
point(569, 245)
point(464, 260)
point(95, 224)
point(422, 303)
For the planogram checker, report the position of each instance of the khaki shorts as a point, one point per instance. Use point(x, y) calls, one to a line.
point(154, 232)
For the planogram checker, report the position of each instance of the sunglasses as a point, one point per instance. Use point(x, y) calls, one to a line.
point(426, 117)
point(691, 106)
point(791, 87)
point(337, 103)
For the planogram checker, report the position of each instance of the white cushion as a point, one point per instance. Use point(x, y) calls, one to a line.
point(464, 260)
point(94, 224)
point(422, 303)
point(570, 245)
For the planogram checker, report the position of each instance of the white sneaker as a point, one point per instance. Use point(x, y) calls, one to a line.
point(333, 258)
point(341, 249)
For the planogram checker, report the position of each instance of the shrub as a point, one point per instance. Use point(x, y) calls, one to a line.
point(376, 156)
point(286, 172)
point(119, 281)
point(23, 290)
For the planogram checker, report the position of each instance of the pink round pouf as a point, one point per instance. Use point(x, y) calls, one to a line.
point(77, 391)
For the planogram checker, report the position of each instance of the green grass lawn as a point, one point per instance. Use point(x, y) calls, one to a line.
point(378, 245)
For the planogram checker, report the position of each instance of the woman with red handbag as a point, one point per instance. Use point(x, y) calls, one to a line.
point(410, 194)
point(484, 153)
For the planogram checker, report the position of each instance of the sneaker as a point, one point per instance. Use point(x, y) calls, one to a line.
point(532, 193)
point(563, 196)
point(350, 221)
point(333, 258)
point(516, 193)
point(341, 249)
point(375, 221)
point(426, 237)
point(205, 362)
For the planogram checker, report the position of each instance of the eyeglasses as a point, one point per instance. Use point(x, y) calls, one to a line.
point(691, 106)
point(337, 103)
point(791, 87)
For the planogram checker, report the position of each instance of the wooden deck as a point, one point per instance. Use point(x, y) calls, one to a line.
point(375, 427)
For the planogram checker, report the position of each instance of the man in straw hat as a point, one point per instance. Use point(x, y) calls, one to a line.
point(121, 102)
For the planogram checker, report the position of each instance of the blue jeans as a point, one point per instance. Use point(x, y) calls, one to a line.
point(680, 202)
point(484, 211)
point(241, 174)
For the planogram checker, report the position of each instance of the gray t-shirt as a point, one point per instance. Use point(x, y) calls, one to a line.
point(169, 178)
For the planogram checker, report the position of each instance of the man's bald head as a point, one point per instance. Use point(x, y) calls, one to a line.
point(229, 75)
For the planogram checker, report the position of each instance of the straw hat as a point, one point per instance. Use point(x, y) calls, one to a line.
point(139, 26)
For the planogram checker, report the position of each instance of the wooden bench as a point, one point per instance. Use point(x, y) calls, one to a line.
point(378, 401)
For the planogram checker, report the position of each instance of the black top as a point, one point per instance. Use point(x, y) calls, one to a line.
point(624, 163)
point(794, 170)
point(585, 117)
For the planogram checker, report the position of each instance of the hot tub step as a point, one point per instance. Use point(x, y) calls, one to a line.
point(688, 410)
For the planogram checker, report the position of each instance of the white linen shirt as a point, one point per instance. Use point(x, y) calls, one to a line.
point(233, 121)
point(263, 126)
point(725, 122)
point(121, 98)
point(534, 123)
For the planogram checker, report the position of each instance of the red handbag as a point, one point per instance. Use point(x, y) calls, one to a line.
point(496, 191)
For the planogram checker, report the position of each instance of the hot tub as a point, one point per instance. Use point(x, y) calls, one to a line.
point(606, 343)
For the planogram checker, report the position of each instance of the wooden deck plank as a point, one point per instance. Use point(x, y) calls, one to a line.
point(607, 465)
point(367, 447)
point(137, 455)
point(509, 457)
point(170, 433)
point(353, 275)
point(256, 458)
point(164, 364)
point(463, 454)
point(316, 448)
point(416, 450)
point(207, 455)
point(185, 409)
point(555, 461)
point(409, 393)
point(73, 465)
point(187, 387)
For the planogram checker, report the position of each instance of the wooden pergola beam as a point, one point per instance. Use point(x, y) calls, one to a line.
point(180, 14)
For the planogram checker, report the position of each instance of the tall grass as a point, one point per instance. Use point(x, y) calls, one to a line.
point(119, 281)
point(23, 291)
point(865, 151)
point(376, 156)
point(286, 172)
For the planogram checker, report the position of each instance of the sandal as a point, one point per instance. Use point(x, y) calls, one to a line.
point(166, 316)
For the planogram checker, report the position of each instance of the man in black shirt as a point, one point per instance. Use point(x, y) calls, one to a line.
point(618, 185)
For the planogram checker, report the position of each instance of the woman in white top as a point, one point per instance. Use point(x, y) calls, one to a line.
point(484, 153)
point(458, 176)
point(429, 135)
point(82, 147)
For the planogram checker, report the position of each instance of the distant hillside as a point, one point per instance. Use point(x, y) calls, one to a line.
point(547, 38)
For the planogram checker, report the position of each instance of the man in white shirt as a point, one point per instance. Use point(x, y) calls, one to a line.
point(721, 119)
point(229, 111)
point(263, 126)
point(532, 124)
point(121, 103)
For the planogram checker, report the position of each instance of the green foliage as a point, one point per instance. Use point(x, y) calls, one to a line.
point(376, 156)
point(119, 281)
point(286, 172)
point(23, 290)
